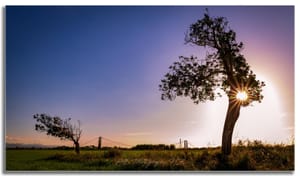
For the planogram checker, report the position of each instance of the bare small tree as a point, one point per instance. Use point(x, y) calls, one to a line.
point(57, 127)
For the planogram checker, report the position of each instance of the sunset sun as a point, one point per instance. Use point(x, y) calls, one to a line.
point(241, 96)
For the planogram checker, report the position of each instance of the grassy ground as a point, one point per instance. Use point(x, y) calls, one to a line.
point(242, 158)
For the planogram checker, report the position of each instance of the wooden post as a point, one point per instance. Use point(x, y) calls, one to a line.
point(99, 143)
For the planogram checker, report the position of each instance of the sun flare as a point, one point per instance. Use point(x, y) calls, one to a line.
point(241, 96)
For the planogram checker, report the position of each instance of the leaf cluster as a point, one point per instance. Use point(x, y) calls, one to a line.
point(190, 78)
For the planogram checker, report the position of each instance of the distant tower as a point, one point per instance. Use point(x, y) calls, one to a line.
point(185, 142)
point(99, 142)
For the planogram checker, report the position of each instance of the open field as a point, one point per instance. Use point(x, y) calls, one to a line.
point(259, 157)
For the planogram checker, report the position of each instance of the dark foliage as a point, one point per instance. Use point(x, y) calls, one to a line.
point(112, 153)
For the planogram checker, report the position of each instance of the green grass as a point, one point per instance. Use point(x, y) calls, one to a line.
point(257, 157)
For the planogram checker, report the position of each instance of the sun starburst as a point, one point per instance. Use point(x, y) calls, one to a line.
point(241, 96)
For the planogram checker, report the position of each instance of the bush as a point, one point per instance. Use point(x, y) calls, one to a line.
point(112, 153)
point(244, 163)
point(202, 159)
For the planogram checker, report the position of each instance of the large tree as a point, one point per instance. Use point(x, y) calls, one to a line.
point(223, 67)
point(57, 127)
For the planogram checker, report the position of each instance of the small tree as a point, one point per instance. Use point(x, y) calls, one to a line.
point(224, 67)
point(57, 127)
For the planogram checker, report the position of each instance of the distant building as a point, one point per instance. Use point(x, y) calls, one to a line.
point(185, 144)
point(179, 142)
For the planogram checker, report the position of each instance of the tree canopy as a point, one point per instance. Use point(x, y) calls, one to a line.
point(223, 67)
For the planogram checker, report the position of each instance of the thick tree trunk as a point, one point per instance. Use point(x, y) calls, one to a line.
point(77, 147)
point(232, 115)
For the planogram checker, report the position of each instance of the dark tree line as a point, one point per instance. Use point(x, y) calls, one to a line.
point(153, 147)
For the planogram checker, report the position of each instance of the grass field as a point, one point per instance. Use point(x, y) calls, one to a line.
point(258, 157)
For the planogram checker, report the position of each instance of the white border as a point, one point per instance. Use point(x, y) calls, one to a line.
point(159, 2)
point(148, 2)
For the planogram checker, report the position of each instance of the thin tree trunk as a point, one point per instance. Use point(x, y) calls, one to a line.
point(77, 147)
point(232, 115)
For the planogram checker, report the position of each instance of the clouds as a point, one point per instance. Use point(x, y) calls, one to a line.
point(21, 140)
point(12, 139)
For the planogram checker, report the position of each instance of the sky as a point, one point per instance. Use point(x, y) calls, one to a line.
point(103, 65)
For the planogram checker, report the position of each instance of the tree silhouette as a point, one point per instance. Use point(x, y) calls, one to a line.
point(223, 67)
point(57, 127)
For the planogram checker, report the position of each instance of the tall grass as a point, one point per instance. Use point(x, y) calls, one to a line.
point(252, 156)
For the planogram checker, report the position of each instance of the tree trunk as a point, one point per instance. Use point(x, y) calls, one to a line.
point(232, 115)
point(77, 147)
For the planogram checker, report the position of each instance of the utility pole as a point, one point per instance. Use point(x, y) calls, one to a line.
point(99, 142)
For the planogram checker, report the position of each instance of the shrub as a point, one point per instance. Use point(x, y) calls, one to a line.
point(244, 163)
point(112, 153)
